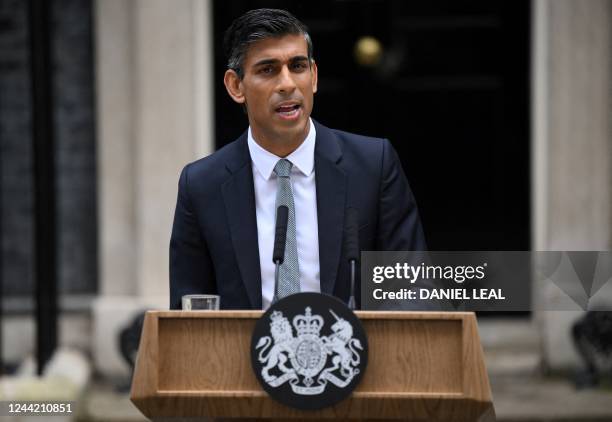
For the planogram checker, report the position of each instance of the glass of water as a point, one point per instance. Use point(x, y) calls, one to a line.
point(201, 302)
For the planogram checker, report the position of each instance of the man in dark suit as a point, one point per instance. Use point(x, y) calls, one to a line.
point(222, 237)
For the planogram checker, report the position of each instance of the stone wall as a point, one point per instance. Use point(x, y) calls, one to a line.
point(154, 116)
point(16, 167)
point(572, 144)
point(74, 135)
point(73, 119)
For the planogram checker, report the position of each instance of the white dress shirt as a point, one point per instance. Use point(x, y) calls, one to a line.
point(305, 200)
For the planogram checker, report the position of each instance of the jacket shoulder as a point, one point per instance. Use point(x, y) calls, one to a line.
point(358, 141)
point(366, 149)
point(214, 167)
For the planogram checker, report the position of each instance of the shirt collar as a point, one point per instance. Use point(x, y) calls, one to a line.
point(302, 158)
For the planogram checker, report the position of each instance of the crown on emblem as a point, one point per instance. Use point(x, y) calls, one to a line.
point(308, 324)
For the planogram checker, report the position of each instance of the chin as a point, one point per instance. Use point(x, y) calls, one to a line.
point(293, 127)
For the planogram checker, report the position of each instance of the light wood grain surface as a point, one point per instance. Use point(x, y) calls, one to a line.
point(422, 366)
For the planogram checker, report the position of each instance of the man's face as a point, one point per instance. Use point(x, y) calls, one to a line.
point(277, 87)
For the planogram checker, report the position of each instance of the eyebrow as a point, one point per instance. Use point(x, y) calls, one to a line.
point(274, 61)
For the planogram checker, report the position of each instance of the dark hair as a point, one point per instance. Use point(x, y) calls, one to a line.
point(256, 25)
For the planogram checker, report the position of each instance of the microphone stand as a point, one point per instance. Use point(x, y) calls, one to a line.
point(280, 240)
point(277, 264)
point(351, 302)
point(351, 244)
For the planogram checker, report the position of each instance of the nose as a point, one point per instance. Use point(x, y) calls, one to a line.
point(286, 84)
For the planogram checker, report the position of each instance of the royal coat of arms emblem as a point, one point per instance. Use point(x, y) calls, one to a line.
point(308, 351)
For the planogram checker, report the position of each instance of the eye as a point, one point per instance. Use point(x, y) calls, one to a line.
point(299, 66)
point(265, 70)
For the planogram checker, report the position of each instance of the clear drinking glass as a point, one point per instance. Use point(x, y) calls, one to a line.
point(201, 302)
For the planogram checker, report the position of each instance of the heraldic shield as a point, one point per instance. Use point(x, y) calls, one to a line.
point(309, 351)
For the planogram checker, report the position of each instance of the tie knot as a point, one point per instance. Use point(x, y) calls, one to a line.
point(283, 167)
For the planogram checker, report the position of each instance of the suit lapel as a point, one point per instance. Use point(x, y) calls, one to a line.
point(239, 197)
point(330, 181)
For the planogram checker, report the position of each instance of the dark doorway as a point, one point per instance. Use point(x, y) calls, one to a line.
point(451, 92)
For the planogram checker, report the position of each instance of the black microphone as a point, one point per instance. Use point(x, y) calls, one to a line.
point(351, 246)
point(280, 240)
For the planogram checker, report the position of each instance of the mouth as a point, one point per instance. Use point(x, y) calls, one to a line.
point(288, 111)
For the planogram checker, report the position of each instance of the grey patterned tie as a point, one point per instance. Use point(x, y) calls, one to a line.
point(289, 271)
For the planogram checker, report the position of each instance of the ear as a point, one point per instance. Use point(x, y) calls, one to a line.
point(313, 69)
point(233, 85)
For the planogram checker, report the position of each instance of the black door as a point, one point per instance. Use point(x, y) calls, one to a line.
point(450, 90)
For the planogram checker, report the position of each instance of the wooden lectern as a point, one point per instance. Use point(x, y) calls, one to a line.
point(422, 367)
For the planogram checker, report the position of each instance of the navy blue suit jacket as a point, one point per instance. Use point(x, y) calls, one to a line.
point(214, 247)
